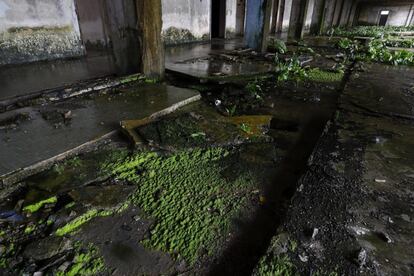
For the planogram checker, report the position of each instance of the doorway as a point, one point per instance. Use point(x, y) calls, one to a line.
point(383, 18)
point(218, 19)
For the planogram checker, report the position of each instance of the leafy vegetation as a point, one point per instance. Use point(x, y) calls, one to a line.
point(376, 51)
point(186, 195)
point(369, 31)
point(246, 128)
point(255, 88)
point(291, 70)
point(277, 46)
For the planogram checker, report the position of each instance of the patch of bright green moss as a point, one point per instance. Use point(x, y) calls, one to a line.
point(85, 264)
point(30, 229)
point(275, 265)
point(37, 206)
point(79, 221)
point(318, 75)
point(185, 193)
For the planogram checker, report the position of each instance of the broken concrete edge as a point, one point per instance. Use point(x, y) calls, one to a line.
point(68, 91)
point(129, 126)
point(221, 79)
point(22, 173)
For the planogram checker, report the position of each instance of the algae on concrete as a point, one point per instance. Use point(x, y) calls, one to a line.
point(185, 193)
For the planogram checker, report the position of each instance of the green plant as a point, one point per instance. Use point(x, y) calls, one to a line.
point(254, 88)
point(291, 70)
point(246, 128)
point(277, 46)
point(378, 51)
point(232, 110)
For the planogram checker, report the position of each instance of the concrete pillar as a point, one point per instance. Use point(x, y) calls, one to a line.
point(240, 16)
point(317, 17)
point(286, 15)
point(135, 34)
point(121, 20)
point(152, 58)
point(275, 10)
point(297, 19)
point(281, 12)
point(353, 14)
point(309, 14)
point(345, 13)
point(337, 13)
point(257, 24)
point(328, 15)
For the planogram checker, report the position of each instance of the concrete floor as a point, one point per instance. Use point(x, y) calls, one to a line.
point(202, 60)
point(24, 79)
point(46, 134)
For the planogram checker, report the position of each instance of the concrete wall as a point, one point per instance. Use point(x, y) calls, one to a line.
point(185, 20)
point(240, 17)
point(369, 14)
point(309, 14)
point(286, 15)
point(32, 30)
point(91, 14)
point(231, 18)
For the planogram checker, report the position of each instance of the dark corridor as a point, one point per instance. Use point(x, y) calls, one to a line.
point(218, 19)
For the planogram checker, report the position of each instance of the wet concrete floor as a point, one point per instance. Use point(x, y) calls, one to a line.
point(198, 60)
point(352, 212)
point(24, 79)
point(45, 132)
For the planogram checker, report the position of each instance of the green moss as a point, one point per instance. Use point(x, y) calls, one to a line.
point(70, 205)
point(30, 229)
point(79, 221)
point(37, 206)
point(191, 203)
point(87, 263)
point(137, 77)
point(318, 75)
point(275, 266)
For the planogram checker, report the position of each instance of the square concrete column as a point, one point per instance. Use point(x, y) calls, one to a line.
point(297, 19)
point(317, 17)
point(257, 24)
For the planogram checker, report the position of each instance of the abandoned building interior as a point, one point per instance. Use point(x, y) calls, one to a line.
point(206, 137)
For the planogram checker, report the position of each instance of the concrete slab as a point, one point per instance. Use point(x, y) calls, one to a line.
point(24, 79)
point(47, 133)
point(196, 60)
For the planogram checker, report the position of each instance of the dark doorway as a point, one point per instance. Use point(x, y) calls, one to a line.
point(218, 19)
point(383, 18)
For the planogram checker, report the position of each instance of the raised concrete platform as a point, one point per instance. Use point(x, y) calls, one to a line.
point(47, 133)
